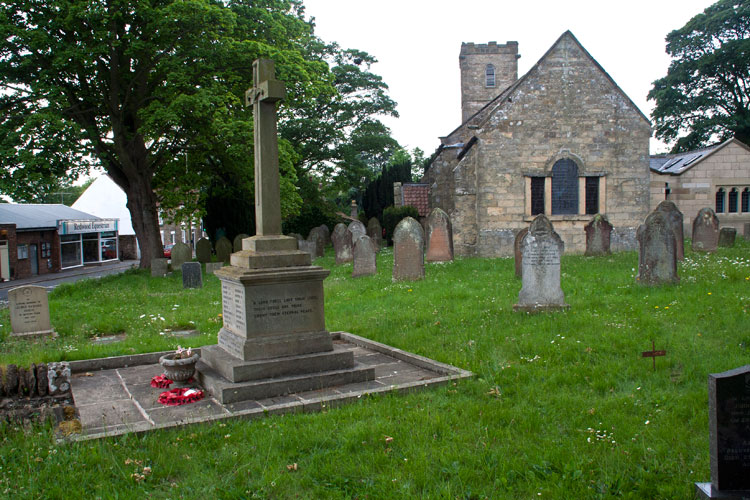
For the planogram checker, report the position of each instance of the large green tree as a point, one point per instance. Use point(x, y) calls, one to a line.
point(130, 85)
point(706, 94)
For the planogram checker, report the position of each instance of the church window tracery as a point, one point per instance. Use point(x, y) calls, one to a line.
point(489, 76)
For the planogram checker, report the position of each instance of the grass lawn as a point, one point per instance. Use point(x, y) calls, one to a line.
point(562, 405)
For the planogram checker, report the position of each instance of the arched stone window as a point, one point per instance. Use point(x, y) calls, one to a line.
point(733, 200)
point(745, 202)
point(720, 201)
point(489, 76)
point(565, 187)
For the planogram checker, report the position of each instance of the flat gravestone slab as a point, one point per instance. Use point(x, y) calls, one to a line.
point(439, 237)
point(598, 233)
point(159, 267)
point(192, 275)
point(223, 249)
point(342, 244)
point(181, 253)
point(727, 235)
point(705, 231)
point(29, 311)
point(657, 251)
point(203, 250)
point(108, 339)
point(408, 250)
point(675, 221)
point(729, 431)
point(365, 257)
point(212, 267)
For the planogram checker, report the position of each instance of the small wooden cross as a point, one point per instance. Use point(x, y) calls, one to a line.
point(653, 353)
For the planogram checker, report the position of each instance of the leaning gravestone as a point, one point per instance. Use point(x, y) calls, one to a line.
point(181, 253)
point(365, 257)
point(237, 243)
point(203, 250)
point(408, 250)
point(541, 250)
point(598, 236)
point(212, 267)
point(223, 249)
point(192, 277)
point(375, 232)
point(729, 435)
point(29, 311)
point(159, 267)
point(439, 237)
point(705, 231)
point(657, 254)
point(727, 235)
point(342, 243)
point(357, 229)
point(517, 250)
point(675, 221)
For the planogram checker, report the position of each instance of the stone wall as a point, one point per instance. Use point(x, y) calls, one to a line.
point(473, 61)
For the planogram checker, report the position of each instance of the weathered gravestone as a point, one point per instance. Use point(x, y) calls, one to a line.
point(408, 250)
point(598, 233)
point(317, 236)
point(705, 231)
point(365, 257)
point(541, 250)
point(203, 250)
point(237, 243)
point(296, 236)
point(439, 237)
point(159, 267)
point(309, 247)
point(357, 229)
point(729, 435)
point(192, 275)
point(657, 251)
point(223, 249)
point(273, 340)
point(375, 232)
point(517, 250)
point(181, 253)
point(326, 233)
point(342, 243)
point(675, 221)
point(727, 235)
point(29, 311)
point(212, 267)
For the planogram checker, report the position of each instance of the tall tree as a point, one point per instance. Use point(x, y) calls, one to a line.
point(706, 94)
point(129, 85)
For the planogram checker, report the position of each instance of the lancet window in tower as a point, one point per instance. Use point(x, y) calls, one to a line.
point(489, 76)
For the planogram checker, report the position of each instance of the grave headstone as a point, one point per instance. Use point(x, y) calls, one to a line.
point(308, 247)
point(746, 230)
point(675, 221)
point(159, 267)
point(357, 229)
point(237, 243)
point(203, 250)
point(342, 243)
point(408, 250)
point(318, 237)
point(192, 276)
point(326, 233)
point(705, 231)
point(223, 249)
point(212, 267)
point(729, 435)
point(727, 235)
point(181, 253)
point(541, 250)
point(354, 212)
point(365, 257)
point(296, 236)
point(598, 233)
point(439, 237)
point(517, 250)
point(657, 252)
point(375, 232)
point(29, 311)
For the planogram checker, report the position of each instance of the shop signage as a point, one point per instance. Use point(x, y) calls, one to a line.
point(86, 226)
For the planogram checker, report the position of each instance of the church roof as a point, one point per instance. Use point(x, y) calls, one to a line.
point(677, 163)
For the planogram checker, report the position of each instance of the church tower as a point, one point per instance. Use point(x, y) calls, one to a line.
point(486, 70)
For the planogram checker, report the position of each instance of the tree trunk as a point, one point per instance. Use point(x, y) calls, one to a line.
point(144, 215)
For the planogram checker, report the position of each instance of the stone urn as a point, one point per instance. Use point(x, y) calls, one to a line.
point(179, 369)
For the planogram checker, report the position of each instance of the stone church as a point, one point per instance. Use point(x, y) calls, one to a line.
point(563, 140)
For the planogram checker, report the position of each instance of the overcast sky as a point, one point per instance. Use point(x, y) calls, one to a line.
point(417, 43)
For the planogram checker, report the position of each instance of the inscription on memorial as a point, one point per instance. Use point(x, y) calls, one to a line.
point(287, 306)
point(542, 255)
point(233, 307)
point(29, 310)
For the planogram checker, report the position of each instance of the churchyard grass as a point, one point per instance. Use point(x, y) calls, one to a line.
point(562, 405)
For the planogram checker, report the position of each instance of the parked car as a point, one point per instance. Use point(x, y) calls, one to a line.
point(168, 250)
point(109, 250)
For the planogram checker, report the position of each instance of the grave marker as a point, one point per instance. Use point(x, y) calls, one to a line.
point(223, 249)
point(653, 353)
point(517, 250)
point(357, 229)
point(181, 253)
point(203, 250)
point(159, 267)
point(598, 236)
point(408, 250)
point(192, 276)
point(375, 232)
point(727, 235)
point(705, 231)
point(29, 311)
point(439, 237)
point(237, 243)
point(212, 267)
point(675, 222)
point(342, 244)
point(365, 257)
point(657, 258)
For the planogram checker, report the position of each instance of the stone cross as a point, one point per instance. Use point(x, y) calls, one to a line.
point(262, 97)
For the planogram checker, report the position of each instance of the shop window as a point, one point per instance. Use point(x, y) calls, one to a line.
point(720, 201)
point(23, 252)
point(537, 195)
point(745, 201)
point(70, 250)
point(733, 200)
point(565, 187)
point(592, 195)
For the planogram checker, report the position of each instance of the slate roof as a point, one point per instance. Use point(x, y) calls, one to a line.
point(418, 196)
point(37, 216)
point(676, 164)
